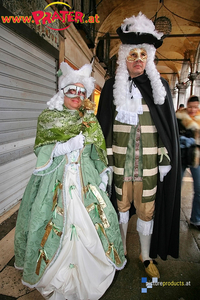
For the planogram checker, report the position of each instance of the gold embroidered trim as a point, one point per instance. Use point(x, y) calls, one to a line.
point(60, 210)
point(97, 195)
point(46, 234)
point(48, 229)
point(90, 207)
point(55, 196)
point(42, 255)
point(99, 206)
point(42, 252)
point(85, 189)
point(87, 124)
point(59, 233)
point(102, 215)
point(111, 252)
point(99, 225)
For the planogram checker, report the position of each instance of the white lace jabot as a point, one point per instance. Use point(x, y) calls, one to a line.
point(129, 111)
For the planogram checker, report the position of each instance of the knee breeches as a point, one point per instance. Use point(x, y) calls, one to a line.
point(132, 192)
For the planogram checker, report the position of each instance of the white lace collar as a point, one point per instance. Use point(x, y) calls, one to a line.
point(128, 112)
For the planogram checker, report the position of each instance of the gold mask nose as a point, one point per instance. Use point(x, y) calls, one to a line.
point(137, 54)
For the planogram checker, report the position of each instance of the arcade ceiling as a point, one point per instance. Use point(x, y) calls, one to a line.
point(179, 18)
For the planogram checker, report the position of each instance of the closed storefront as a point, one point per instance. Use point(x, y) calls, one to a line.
point(27, 82)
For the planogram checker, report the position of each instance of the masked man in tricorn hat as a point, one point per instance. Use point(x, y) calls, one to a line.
point(137, 117)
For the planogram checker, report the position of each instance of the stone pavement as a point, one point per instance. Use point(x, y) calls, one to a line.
point(180, 278)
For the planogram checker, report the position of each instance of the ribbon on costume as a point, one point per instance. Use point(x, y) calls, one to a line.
point(42, 255)
point(73, 232)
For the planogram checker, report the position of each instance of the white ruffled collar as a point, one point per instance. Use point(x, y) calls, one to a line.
point(128, 112)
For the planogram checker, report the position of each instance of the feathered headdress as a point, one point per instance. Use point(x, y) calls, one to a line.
point(67, 76)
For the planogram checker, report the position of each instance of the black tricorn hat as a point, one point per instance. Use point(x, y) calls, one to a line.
point(135, 38)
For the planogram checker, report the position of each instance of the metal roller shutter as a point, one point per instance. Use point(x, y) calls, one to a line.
point(27, 82)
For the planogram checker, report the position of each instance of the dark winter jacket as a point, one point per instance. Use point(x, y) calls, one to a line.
point(189, 130)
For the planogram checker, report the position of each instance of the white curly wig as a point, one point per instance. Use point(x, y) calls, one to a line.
point(142, 28)
point(71, 76)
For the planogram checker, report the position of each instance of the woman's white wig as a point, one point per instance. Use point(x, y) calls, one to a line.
point(138, 32)
point(68, 75)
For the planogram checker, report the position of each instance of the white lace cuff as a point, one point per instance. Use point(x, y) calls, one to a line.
point(144, 227)
point(123, 217)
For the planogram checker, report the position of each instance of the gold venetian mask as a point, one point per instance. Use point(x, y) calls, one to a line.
point(137, 54)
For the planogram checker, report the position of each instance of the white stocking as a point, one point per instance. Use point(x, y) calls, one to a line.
point(145, 241)
point(123, 225)
point(145, 229)
point(123, 229)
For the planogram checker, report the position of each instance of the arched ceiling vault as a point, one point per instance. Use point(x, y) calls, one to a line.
point(180, 44)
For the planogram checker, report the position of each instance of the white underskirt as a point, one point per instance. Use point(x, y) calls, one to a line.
point(92, 273)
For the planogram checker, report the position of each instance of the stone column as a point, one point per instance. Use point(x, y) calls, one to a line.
point(182, 93)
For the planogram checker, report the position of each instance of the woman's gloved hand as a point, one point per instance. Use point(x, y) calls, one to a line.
point(74, 143)
point(104, 181)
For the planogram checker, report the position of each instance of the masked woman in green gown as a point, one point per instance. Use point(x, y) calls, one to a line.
point(67, 239)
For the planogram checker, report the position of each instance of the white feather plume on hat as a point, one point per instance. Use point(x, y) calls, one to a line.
point(71, 76)
point(141, 24)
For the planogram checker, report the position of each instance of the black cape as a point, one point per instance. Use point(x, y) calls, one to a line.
point(165, 237)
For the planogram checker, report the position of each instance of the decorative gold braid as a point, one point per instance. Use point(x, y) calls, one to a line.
point(42, 252)
point(116, 255)
point(55, 196)
point(103, 216)
point(100, 206)
point(110, 245)
point(85, 189)
point(46, 234)
point(97, 195)
point(38, 265)
point(59, 233)
point(90, 207)
point(60, 210)
point(42, 256)
point(87, 124)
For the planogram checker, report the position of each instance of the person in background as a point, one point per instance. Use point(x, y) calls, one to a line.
point(67, 238)
point(181, 106)
point(137, 117)
point(189, 131)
